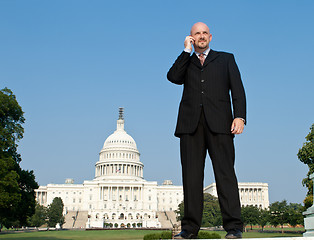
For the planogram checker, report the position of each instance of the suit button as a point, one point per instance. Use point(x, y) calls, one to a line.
point(202, 92)
point(202, 70)
point(201, 105)
point(202, 80)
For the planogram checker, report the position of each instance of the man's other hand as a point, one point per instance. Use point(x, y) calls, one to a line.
point(237, 126)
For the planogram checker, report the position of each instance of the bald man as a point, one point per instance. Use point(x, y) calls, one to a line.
point(207, 122)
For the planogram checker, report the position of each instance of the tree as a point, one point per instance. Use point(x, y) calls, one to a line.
point(55, 212)
point(211, 211)
point(39, 217)
point(17, 195)
point(295, 214)
point(250, 215)
point(306, 155)
point(263, 218)
point(9, 191)
point(279, 213)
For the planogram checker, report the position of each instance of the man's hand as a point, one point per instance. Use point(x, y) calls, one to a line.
point(237, 126)
point(188, 42)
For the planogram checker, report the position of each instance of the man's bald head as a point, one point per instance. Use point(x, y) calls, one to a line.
point(197, 26)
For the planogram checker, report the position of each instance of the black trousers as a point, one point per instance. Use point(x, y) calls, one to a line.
point(221, 151)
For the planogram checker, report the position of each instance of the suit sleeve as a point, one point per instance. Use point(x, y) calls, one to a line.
point(237, 90)
point(176, 74)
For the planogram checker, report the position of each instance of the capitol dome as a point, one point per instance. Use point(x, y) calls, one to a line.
point(119, 157)
point(120, 139)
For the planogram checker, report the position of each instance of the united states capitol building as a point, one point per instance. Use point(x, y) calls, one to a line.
point(119, 196)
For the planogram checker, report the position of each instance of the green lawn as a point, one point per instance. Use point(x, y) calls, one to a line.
point(114, 235)
point(80, 235)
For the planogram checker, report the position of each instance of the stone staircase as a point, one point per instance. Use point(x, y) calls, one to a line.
point(81, 219)
point(167, 219)
point(75, 219)
point(69, 219)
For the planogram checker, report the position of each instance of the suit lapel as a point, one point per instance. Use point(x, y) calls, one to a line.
point(211, 56)
point(195, 60)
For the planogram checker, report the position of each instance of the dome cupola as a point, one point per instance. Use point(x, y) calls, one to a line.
point(119, 157)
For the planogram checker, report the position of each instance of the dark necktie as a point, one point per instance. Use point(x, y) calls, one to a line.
point(202, 58)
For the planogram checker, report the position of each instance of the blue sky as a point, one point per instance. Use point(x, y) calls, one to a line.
point(72, 63)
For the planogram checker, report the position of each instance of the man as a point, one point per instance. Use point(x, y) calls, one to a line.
point(207, 123)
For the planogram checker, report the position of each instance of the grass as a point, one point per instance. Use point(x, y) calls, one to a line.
point(114, 235)
point(80, 235)
point(262, 235)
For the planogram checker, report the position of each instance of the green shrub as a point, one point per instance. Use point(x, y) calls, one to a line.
point(154, 236)
point(151, 236)
point(168, 235)
point(207, 235)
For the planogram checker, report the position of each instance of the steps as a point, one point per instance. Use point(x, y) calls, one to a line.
point(69, 219)
point(75, 219)
point(81, 219)
point(167, 219)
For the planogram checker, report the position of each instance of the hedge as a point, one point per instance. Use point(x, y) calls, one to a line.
point(168, 235)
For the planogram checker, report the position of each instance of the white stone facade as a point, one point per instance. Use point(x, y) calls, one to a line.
point(119, 195)
point(251, 193)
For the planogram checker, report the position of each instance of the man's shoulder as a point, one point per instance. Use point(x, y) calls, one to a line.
point(222, 53)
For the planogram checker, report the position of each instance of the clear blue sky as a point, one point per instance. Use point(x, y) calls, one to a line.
point(72, 63)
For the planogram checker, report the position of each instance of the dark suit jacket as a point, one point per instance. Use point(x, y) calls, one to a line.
point(208, 86)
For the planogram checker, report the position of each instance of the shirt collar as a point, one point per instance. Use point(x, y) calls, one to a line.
point(205, 52)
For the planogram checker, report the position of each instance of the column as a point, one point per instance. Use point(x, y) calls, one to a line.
point(251, 193)
point(141, 193)
point(132, 193)
point(256, 196)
